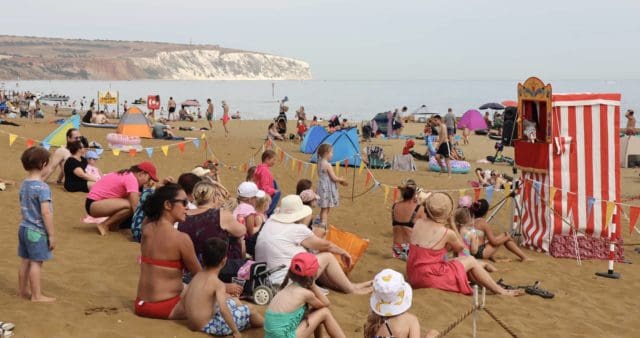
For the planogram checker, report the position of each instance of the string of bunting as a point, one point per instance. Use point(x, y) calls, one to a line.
point(634, 210)
point(30, 142)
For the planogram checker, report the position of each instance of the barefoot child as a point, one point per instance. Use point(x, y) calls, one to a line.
point(390, 303)
point(206, 303)
point(300, 307)
point(36, 234)
point(327, 179)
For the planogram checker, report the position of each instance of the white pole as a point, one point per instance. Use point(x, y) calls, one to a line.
point(475, 311)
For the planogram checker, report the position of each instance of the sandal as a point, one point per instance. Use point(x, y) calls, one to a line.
point(535, 290)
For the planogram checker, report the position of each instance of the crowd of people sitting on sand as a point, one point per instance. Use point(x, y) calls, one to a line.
point(199, 243)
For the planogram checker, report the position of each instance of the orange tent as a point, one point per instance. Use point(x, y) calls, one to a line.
point(134, 123)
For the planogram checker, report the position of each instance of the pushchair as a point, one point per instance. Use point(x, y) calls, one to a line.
point(281, 123)
point(375, 157)
point(259, 287)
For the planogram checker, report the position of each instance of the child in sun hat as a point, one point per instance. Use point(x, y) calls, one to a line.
point(91, 169)
point(300, 307)
point(390, 303)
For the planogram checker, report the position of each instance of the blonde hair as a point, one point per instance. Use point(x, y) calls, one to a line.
point(462, 217)
point(262, 204)
point(210, 191)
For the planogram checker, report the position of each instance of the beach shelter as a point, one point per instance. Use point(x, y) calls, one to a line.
point(349, 242)
point(630, 151)
point(134, 123)
point(473, 120)
point(571, 172)
point(58, 137)
point(346, 146)
point(312, 139)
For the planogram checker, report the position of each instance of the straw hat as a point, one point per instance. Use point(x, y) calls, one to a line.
point(291, 210)
point(391, 294)
point(439, 207)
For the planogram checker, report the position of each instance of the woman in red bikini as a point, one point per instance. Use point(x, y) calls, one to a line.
point(165, 253)
point(427, 265)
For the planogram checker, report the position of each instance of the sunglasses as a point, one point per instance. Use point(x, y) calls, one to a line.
point(184, 202)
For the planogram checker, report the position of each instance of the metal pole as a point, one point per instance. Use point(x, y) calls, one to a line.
point(475, 311)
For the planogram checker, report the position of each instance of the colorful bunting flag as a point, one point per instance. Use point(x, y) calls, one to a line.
point(293, 164)
point(203, 136)
point(590, 202)
point(337, 168)
point(368, 179)
point(99, 151)
point(196, 143)
point(306, 167)
point(165, 150)
point(244, 167)
point(461, 192)
point(115, 151)
point(46, 145)
point(12, 138)
point(313, 170)
point(552, 194)
point(299, 167)
point(181, 147)
point(30, 143)
point(507, 188)
point(608, 215)
point(149, 151)
point(395, 194)
point(361, 167)
point(634, 212)
point(537, 186)
point(281, 155)
point(346, 166)
point(489, 193)
point(376, 184)
point(476, 192)
point(132, 152)
point(386, 193)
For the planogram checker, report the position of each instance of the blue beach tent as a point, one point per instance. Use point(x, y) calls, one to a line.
point(312, 139)
point(346, 146)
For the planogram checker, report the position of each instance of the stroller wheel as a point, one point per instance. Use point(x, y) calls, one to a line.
point(262, 295)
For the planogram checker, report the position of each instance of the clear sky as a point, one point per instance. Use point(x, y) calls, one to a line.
point(373, 39)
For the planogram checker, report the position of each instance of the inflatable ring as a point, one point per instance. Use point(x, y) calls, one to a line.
point(123, 140)
point(457, 167)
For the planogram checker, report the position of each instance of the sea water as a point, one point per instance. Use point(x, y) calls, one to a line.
point(355, 100)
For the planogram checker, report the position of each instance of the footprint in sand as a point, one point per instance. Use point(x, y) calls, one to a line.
point(107, 310)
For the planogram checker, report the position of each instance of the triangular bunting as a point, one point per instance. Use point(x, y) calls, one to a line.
point(165, 150)
point(30, 143)
point(395, 194)
point(196, 143)
point(609, 213)
point(337, 168)
point(281, 155)
point(376, 184)
point(476, 194)
point(552, 194)
point(132, 152)
point(181, 147)
point(489, 192)
point(46, 145)
point(299, 167)
point(634, 212)
point(361, 167)
point(99, 151)
point(12, 138)
point(115, 151)
point(590, 202)
point(244, 167)
point(346, 166)
point(537, 185)
point(368, 179)
point(203, 136)
point(149, 151)
point(461, 192)
point(306, 167)
point(386, 193)
point(313, 170)
point(293, 164)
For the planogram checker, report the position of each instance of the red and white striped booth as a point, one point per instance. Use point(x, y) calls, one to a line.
point(575, 160)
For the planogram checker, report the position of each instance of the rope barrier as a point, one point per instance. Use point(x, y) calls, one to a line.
point(457, 321)
point(501, 323)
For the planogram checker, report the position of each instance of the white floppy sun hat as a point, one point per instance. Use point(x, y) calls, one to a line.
point(391, 294)
point(291, 210)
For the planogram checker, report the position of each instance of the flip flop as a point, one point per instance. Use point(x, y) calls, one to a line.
point(535, 290)
point(7, 326)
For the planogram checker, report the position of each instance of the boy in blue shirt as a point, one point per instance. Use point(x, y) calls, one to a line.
point(36, 235)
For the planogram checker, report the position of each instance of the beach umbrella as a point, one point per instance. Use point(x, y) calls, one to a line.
point(491, 105)
point(509, 103)
point(473, 120)
point(190, 103)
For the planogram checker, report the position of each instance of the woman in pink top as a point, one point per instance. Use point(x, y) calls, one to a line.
point(117, 195)
point(264, 179)
point(427, 266)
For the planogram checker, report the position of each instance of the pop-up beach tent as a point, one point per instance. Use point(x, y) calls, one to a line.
point(134, 123)
point(58, 137)
point(346, 146)
point(312, 139)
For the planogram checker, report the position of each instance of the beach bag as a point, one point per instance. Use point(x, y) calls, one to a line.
point(138, 216)
point(349, 242)
point(250, 242)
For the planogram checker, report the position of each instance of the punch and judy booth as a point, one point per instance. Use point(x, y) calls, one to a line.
point(568, 151)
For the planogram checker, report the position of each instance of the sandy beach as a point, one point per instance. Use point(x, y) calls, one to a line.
point(94, 278)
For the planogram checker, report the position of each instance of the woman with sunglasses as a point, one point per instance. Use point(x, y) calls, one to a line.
point(165, 252)
point(116, 195)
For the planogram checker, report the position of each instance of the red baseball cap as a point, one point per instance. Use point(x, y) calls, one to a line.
point(150, 169)
point(304, 264)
